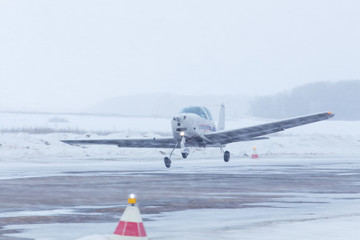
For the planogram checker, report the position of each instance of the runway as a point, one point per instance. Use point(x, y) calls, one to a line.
point(95, 191)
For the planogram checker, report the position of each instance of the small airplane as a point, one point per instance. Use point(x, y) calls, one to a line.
point(195, 127)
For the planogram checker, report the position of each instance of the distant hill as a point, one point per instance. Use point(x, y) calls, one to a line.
point(342, 98)
point(166, 105)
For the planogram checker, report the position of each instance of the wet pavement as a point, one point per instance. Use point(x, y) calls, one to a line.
point(100, 196)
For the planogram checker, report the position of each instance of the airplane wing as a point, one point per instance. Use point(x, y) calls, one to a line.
point(128, 143)
point(255, 132)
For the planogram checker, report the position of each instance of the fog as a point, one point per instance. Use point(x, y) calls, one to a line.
point(71, 55)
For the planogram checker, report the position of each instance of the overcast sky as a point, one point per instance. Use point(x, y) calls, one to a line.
point(67, 55)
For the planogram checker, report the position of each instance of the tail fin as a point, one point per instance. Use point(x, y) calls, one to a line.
point(221, 123)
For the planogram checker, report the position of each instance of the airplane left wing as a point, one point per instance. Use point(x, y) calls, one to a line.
point(253, 133)
point(128, 143)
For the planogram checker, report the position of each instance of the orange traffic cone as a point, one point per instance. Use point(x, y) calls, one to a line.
point(131, 224)
point(254, 155)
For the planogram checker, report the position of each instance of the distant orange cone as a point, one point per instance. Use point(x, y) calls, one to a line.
point(254, 155)
point(131, 225)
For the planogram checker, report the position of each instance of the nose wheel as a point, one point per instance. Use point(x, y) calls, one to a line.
point(185, 152)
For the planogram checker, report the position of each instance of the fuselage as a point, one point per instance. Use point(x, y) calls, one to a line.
point(191, 123)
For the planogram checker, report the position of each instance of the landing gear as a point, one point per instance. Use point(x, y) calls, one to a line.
point(184, 152)
point(167, 162)
point(226, 153)
point(226, 156)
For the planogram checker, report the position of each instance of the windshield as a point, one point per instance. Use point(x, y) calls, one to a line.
point(198, 111)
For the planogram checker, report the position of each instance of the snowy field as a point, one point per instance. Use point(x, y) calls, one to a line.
point(305, 185)
point(37, 136)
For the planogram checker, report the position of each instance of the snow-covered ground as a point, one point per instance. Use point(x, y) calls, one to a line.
point(26, 151)
point(23, 136)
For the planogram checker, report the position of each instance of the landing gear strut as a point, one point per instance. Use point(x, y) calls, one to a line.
point(167, 160)
point(184, 150)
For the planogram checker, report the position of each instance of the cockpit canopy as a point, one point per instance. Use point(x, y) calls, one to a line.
point(201, 111)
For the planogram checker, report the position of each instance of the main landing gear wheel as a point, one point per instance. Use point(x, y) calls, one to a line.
point(167, 162)
point(184, 155)
point(226, 156)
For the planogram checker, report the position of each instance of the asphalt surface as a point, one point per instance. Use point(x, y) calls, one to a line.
point(105, 192)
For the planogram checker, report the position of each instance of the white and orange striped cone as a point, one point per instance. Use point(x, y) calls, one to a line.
point(131, 225)
point(254, 155)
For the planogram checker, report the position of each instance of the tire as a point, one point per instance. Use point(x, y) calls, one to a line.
point(226, 156)
point(167, 162)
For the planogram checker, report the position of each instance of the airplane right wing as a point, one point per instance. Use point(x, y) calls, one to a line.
point(128, 143)
point(256, 132)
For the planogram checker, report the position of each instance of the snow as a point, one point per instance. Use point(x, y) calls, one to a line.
point(336, 143)
point(338, 219)
point(326, 138)
point(65, 231)
point(289, 221)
